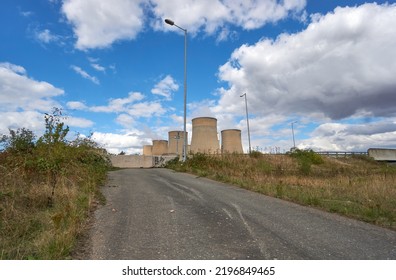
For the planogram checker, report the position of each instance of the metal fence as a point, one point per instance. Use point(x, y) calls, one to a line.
point(341, 154)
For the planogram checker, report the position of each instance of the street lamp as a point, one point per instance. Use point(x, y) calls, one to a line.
point(247, 121)
point(294, 142)
point(172, 23)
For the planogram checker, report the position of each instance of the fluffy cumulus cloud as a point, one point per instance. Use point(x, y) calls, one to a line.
point(24, 100)
point(338, 67)
point(32, 120)
point(20, 92)
point(165, 87)
point(76, 105)
point(211, 15)
point(352, 137)
point(98, 24)
point(119, 105)
point(130, 142)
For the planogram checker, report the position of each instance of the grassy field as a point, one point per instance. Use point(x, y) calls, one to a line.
point(47, 189)
point(356, 187)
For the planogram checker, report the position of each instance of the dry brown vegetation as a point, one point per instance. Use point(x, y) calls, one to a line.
point(357, 187)
point(47, 188)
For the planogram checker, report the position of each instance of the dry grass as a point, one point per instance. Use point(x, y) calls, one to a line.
point(356, 187)
point(30, 227)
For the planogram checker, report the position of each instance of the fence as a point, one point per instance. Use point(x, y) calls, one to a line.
point(341, 154)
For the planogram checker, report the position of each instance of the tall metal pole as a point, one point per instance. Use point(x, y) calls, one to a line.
point(247, 121)
point(185, 96)
point(294, 142)
point(171, 22)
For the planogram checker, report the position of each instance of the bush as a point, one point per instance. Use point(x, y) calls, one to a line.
point(19, 141)
point(305, 159)
point(35, 221)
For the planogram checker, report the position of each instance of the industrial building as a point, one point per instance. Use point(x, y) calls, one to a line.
point(160, 147)
point(175, 142)
point(204, 140)
point(204, 136)
point(231, 141)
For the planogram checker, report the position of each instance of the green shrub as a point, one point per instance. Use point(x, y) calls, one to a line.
point(35, 221)
point(305, 159)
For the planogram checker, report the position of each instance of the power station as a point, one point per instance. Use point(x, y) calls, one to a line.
point(176, 141)
point(160, 147)
point(231, 141)
point(148, 150)
point(204, 136)
point(204, 139)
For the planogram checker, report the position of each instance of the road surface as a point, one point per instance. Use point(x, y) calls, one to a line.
point(160, 214)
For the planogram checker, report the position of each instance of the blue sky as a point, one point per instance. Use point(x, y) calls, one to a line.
point(116, 69)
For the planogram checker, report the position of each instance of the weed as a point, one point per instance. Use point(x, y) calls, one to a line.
point(46, 190)
point(356, 186)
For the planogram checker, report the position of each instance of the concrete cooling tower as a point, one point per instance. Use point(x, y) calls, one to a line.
point(176, 142)
point(204, 136)
point(148, 150)
point(160, 147)
point(231, 141)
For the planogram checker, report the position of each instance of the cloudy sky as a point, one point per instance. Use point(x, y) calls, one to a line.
point(116, 69)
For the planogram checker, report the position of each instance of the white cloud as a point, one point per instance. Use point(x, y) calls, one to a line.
point(119, 105)
point(31, 120)
point(98, 67)
point(76, 105)
point(115, 143)
point(26, 13)
point(78, 122)
point(211, 15)
point(20, 92)
point(12, 67)
point(99, 24)
point(146, 109)
point(23, 101)
point(125, 120)
point(85, 75)
point(338, 67)
point(165, 87)
point(45, 36)
point(352, 137)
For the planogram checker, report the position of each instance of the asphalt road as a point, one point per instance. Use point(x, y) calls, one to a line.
point(160, 214)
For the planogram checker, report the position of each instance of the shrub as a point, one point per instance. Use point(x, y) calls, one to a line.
point(305, 159)
point(35, 221)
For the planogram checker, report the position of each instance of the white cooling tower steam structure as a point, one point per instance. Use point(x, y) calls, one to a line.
point(231, 141)
point(204, 136)
point(148, 150)
point(160, 147)
point(176, 141)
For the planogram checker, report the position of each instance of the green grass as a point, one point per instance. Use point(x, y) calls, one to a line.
point(356, 187)
point(47, 190)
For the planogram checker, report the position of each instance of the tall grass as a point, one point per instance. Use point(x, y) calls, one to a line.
point(356, 187)
point(47, 189)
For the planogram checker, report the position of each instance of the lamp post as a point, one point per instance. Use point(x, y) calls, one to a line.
point(247, 121)
point(172, 23)
point(294, 142)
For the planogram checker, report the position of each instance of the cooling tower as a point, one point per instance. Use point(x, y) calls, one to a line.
point(160, 147)
point(231, 141)
point(204, 136)
point(176, 142)
point(148, 150)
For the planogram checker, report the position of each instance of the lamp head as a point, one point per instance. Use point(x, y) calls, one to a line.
point(170, 22)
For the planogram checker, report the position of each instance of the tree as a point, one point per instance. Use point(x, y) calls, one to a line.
point(55, 130)
point(20, 141)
